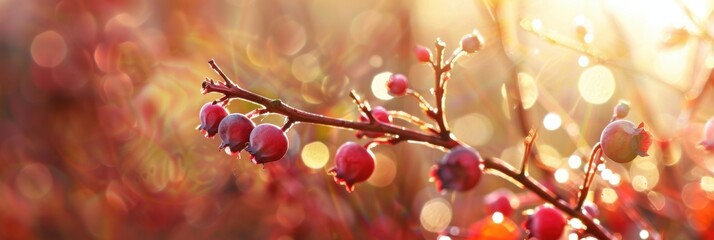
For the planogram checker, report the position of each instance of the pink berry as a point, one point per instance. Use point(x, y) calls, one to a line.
point(621, 110)
point(708, 135)
point(380, 114)
point(353, 164)
point(211, 116)
point(460, 170)
point(234, 131)
point(621, 141)
point(268, 143)
point(397, 85)
point(546, 223)
point(472, 42)
point(423, 54)
point(501, 200)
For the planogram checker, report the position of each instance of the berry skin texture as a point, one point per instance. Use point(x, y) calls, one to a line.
point(546, 223)
point(459, 170)
point(397, 85)
point(353, 164)
point(501, 200)
point(380, 114)
point(423, 54)
point(472, 42)
point(211, 116)
point(234, 131)
point(621, 141)
point(268, 143)
point(708, 136)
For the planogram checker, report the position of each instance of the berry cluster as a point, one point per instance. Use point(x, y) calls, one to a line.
point(265, 142)
point(460, 169)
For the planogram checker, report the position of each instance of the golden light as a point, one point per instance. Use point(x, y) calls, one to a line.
point(596, 84)
point(574, 161)
point(379, 86)
point(561, 175)
point(497, 217)
point(474, 129)
point(528, 88)
point(552, 121)
point(644, 234)
point(306, 67)
point(385, 169)
point(608, 195)
point(315, 155)
point(707, 183)
point(583, 61)
point(435, 215)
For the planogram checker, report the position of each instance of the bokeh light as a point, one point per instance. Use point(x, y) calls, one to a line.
point(596, 84)
point(436, 215)
point(315, 155)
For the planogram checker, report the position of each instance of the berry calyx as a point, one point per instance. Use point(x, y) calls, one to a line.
point(546, 223)
point(472, 42)
point(353, 164)
point(459, 170)
point(211, 115)
point(501, 200)
point(621, 141)
point(380, 114)
point(423, 54)
point(397, 85)
point(708, 136)
point(268, 143)
point(234, 131)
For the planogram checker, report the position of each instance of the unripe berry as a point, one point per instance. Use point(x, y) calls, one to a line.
point(472, 42)
point(423, 54)
point(621, 110)
point(397, 85)
point(380, 114)
point(211, 116)
point(459, 170)
point(546, 223)
point(708, 135)
point(234, 131)
point(268, 143)
point(353, 164)
point(621, 141)
point(501, 200)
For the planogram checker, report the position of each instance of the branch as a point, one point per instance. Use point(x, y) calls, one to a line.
point(402, 134)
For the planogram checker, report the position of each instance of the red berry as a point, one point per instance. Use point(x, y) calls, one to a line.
point(211, 116)
point(546, 223)
point(501, 200)
point(708, 135)
point(459, 170)
point(397, 85)
point(423, 54)
point(621, 141)
point(353, 164)
point(268, 143)
point(234, 131)
point(472, 42)
point(380, 114)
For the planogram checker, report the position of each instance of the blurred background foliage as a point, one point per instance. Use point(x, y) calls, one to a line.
point(100, 102)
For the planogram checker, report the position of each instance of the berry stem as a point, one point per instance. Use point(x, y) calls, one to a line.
point(440, 78)
point(529, 141)
point(218, 70)
point(404, 134)
point(593, 161)
point(414, 120)
point(423, 104)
